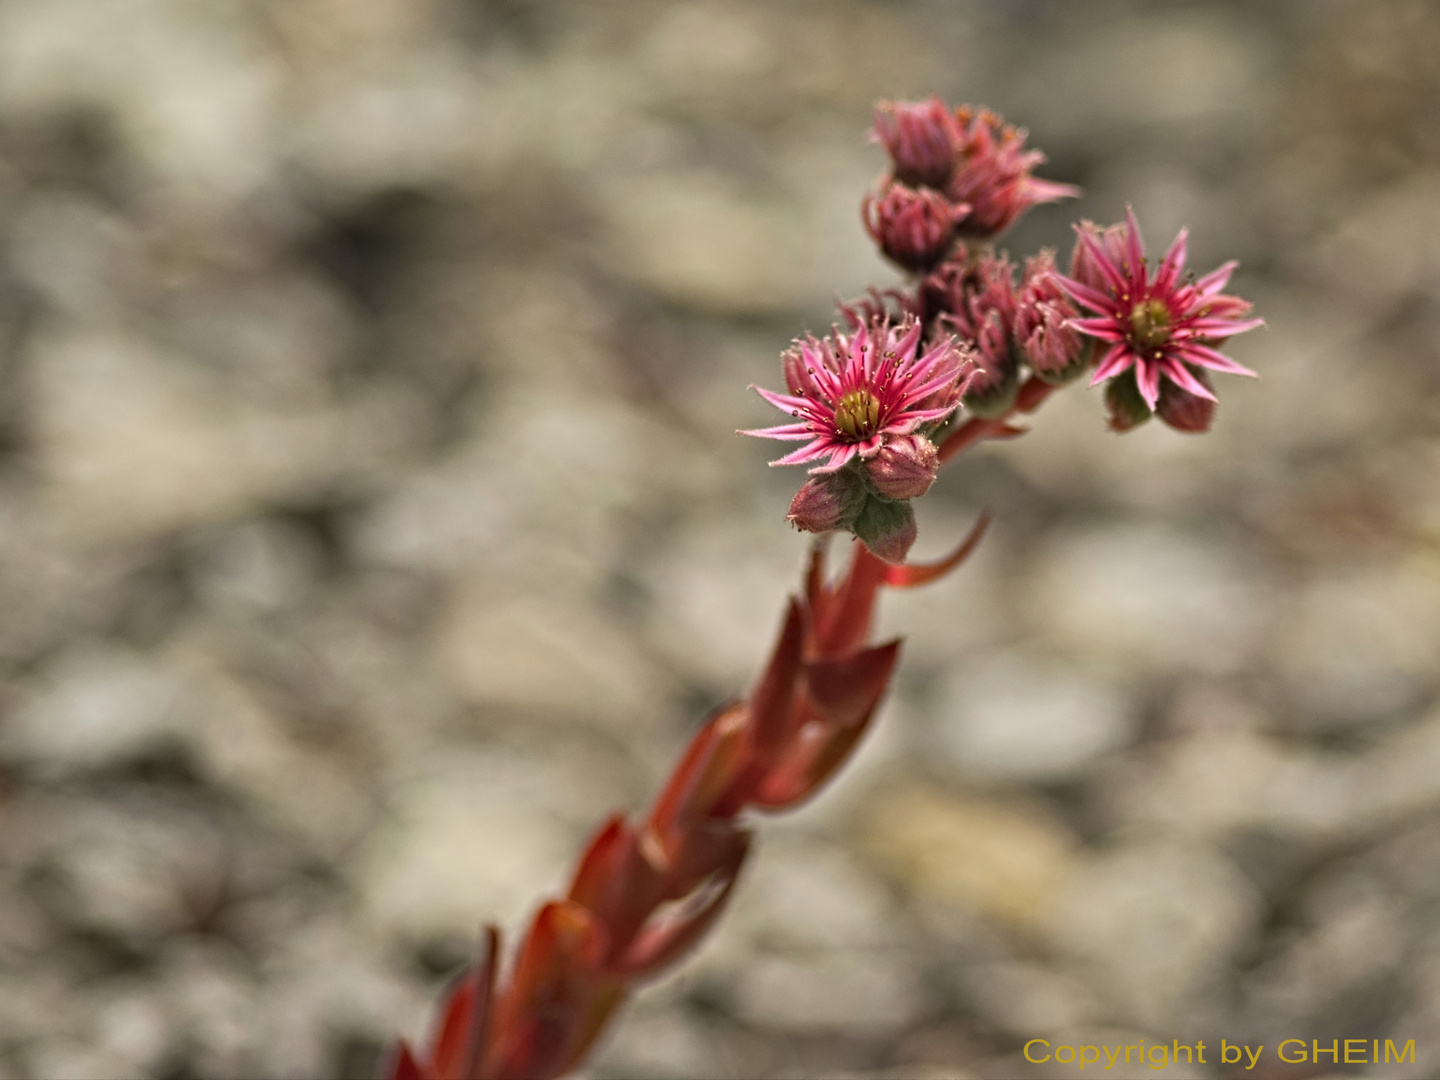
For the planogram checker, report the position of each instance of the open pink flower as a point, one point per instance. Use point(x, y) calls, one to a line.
point(1161, 326)
point(853, 393)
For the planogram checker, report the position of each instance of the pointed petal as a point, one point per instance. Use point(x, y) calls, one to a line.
point(784, 402)
point(1147, 378)
point(1216, 280)
point(838, 458)
point(1091, 298)
point(1112, 363)
point(1108, 270)
point(1218, 328)
point(791, 432)
point(1102, 328)
point(817, 449)
point(1043, 191)
point(1180, 375)
point(915, 417)
point(1208, 357)
point(1135, 252)
point(1173, 263)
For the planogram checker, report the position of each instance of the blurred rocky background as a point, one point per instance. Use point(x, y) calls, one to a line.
point(372, 523)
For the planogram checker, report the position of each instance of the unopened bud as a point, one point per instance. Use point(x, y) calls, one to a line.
point(1122, 398)
point(991, 393)
point(904, 468)
point(825, 502)
point(1055, 351)
point(1112, 241)
point(887, 528)
point(922, 138)
point(995, 174)
point(913, 228)
point(1183, 410)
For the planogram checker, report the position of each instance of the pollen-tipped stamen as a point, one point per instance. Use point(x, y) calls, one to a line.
point(857, 414)
point(1150, 323)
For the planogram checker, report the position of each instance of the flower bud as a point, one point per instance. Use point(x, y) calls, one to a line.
point(1112, 241)
point(1183, 410)
point(1055, 351)
point(904, 468)
point(995, 174)
point(1127, 408)
point(913, 228)
point(828, 501)
point(922, 138)
point(990, 393)
point(887, 528)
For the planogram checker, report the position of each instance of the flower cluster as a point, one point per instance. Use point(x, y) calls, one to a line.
point(871, 404)
point(956, 173)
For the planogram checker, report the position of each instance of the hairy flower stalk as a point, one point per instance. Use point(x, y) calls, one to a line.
point(878, 408)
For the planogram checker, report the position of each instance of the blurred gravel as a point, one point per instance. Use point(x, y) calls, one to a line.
point(372, 523)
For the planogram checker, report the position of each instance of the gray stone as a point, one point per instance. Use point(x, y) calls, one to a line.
point(1015, 718)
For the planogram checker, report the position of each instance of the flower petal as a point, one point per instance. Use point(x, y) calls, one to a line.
point(1147, 378)
point(1180, 375)
point(1091, 298)
point(1207, 357)
point(1120, 357)
point(1134, 252)
point(1173, 263)
point(784, 402)
point(1103, 328)
point(791, 432)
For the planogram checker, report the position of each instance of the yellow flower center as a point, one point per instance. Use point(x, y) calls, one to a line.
point(858, 414)
point(1150, 323)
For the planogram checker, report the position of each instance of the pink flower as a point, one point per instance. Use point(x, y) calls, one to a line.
point(853, 393)
point(922, 138)
point(1161, 326)
point(994, 176)
point(913, 228)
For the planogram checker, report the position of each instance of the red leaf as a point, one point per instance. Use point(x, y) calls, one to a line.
point(661, 942)
point(714, 759)
point(403, 1065)
point(770, 704)
point(556, 977)
point(845, 689)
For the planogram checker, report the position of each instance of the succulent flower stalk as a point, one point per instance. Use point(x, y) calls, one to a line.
point(869, 404)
